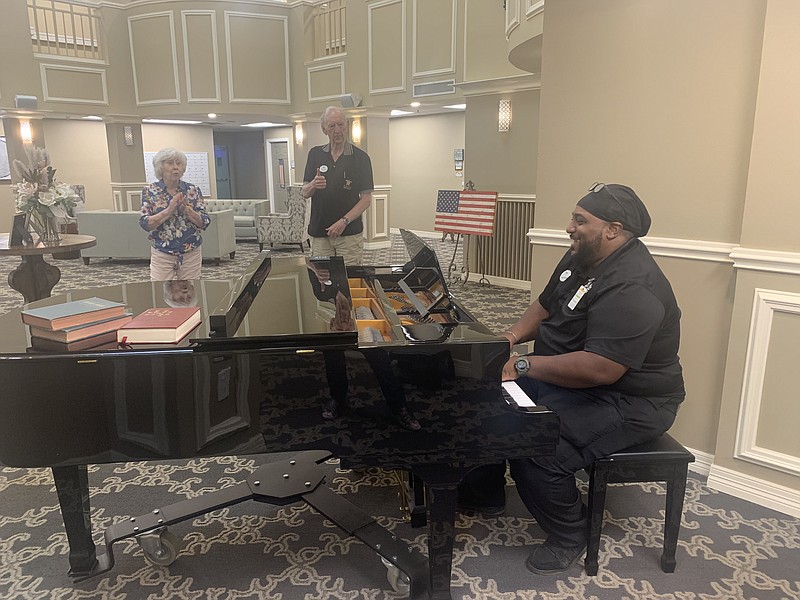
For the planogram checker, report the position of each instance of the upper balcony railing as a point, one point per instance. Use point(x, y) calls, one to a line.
point(65, 29)
point(330, 28)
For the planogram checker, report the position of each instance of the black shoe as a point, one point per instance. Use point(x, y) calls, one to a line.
point(332, 409)
point(549, 558)
point(407, 420)
point(483, 510)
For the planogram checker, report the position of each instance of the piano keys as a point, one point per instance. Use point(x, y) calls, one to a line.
point(252, 379)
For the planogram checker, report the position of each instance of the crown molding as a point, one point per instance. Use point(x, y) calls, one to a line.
point(514, 83)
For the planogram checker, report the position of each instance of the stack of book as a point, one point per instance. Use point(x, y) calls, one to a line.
point(79, 325)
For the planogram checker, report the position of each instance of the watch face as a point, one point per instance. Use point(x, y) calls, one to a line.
point(522, 366)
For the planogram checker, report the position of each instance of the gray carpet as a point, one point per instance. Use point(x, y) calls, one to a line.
point(729, 548)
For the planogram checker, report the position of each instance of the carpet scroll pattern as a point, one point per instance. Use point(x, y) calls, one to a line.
point(728, 549)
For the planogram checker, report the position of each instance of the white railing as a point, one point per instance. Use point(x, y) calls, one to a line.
point(330, 28)
point(66, 29)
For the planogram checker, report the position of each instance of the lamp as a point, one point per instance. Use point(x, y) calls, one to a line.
point(504, 116)
point(298, 134)
point(355, 131)
point(25, 132)
point(128, 134)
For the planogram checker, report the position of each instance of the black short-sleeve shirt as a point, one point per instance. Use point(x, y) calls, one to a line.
point(624, 310)
point(348, 177)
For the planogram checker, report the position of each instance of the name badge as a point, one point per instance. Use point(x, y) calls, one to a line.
point(323, 169)
point(577, 297)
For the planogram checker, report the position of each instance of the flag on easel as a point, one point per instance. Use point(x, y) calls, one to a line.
point(466, 211)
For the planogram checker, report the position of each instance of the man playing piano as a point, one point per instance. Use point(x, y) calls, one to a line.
point(607, 331)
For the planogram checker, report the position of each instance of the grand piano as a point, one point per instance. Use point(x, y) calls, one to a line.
point(252, 379)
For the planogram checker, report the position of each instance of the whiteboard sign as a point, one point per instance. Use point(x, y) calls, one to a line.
point(196, 170)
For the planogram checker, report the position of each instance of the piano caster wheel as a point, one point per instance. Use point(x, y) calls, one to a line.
point(160, 546)
point(397, 579)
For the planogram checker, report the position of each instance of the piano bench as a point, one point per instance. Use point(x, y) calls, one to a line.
point(661, 459)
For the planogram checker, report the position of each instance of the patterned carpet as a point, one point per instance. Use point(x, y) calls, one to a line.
point(729, 549)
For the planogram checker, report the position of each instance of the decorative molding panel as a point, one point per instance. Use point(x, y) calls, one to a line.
point(247, 55)
point(512, 16)
point(146, 63)
point(372, 40)
point(533, 8)
point(310, 71)
point(380, 227)
point(771, 261)
point(765, 304)
point(100, 74)
point(446, 69)
point(189, 40)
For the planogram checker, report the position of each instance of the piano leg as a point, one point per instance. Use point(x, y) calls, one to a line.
point(72, 486)
point(441, 536)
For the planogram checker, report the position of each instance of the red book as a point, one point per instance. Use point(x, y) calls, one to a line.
point(160, 326)
point(80, 332)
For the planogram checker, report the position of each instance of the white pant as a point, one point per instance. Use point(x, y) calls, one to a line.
point(166, 267)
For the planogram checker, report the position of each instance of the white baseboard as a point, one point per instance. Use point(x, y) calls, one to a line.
point(702, 463)
point(752, 489)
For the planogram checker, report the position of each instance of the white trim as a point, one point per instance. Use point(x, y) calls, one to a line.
point(512, 21)
point(501, 85)
point(186, 60)
point(140, 3)
point(233, 99)
point(270, 173)
point(309, 70)
point(765, 304)
point(370, 9)
point(702, 462)
point(71, 59)
point(672, 247)
point(516, 197)
point(129, 184)
point(771, 261)
point(533, 8)
point(383, 237)
point(445, 70)
point(177, 99)
point(764, 493)
point(46, 93)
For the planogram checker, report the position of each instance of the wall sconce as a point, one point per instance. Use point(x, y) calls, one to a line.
point(298, 134)
point(355, 131)
point(128, 134)
point(25, 132)
point(504, 115)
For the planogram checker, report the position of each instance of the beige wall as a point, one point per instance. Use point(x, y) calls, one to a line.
point(421, 150)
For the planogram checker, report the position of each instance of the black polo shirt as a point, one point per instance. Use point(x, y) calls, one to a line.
point(625, 310)
point(348, 178)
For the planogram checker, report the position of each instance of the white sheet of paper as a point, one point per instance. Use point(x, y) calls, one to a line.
point(521, 398)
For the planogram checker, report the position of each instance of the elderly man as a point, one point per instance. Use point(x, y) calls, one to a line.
point(607, 331)
point(338, 179)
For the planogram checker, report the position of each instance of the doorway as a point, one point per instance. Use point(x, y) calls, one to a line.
point(278, 167)
point(223, 168)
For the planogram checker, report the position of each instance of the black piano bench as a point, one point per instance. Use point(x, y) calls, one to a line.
point(661, 459)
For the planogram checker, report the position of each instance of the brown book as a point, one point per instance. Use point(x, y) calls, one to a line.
point(160, 326)
point(104, 341)
point(70, 314)
point(80, 332)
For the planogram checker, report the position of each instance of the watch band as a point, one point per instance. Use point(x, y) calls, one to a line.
point(346, 220)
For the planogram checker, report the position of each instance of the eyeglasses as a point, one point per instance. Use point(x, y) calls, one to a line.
point(597, 186)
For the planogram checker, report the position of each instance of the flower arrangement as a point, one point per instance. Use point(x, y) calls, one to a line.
point(45, 201)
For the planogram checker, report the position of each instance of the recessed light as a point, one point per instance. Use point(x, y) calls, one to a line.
point(415, 104)
point(399, 113)
point(171, 121)
point(212, 115)
point(264, 124)
point(457, 106)
point(92, 118)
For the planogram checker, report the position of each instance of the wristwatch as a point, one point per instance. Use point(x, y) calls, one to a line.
point(346, 220)
point(522, 366)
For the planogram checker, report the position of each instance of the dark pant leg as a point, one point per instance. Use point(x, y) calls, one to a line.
point(484, 486)
point(392, 389)
point(593, 424)
point(336, 372)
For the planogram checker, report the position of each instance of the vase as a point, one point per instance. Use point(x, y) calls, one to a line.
point(45, 226)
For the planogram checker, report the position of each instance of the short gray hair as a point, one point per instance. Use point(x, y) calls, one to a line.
point(163, 156)
point(328, 111)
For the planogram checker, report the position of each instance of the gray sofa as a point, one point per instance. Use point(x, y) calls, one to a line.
point(119, 235)
point(245, 214)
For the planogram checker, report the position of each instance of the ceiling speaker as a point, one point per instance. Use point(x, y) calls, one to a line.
point(350, 100)
point(27, 102)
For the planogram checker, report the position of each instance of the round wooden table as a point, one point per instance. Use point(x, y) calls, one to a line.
point(35, 278)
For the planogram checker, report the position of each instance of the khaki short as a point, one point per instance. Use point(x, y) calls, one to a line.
point(166, 267)
point(351, 247)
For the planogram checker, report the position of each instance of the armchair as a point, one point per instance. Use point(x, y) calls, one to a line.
point(288, 228)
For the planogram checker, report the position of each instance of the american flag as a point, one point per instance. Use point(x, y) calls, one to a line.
point(466, 211)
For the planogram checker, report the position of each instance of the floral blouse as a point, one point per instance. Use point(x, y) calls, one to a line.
point(177, 235)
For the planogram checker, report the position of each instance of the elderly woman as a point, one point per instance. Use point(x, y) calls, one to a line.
point(174, 213)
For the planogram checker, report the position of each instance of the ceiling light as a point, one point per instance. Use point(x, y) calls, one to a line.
point(171, 121)
point(399, 113)
point(92, 118)
point(457, 106)
point(415, 104)
point(264, 124)
point(212, 115)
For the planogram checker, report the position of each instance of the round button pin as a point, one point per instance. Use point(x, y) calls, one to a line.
point(323, 169)
point(565, 275)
